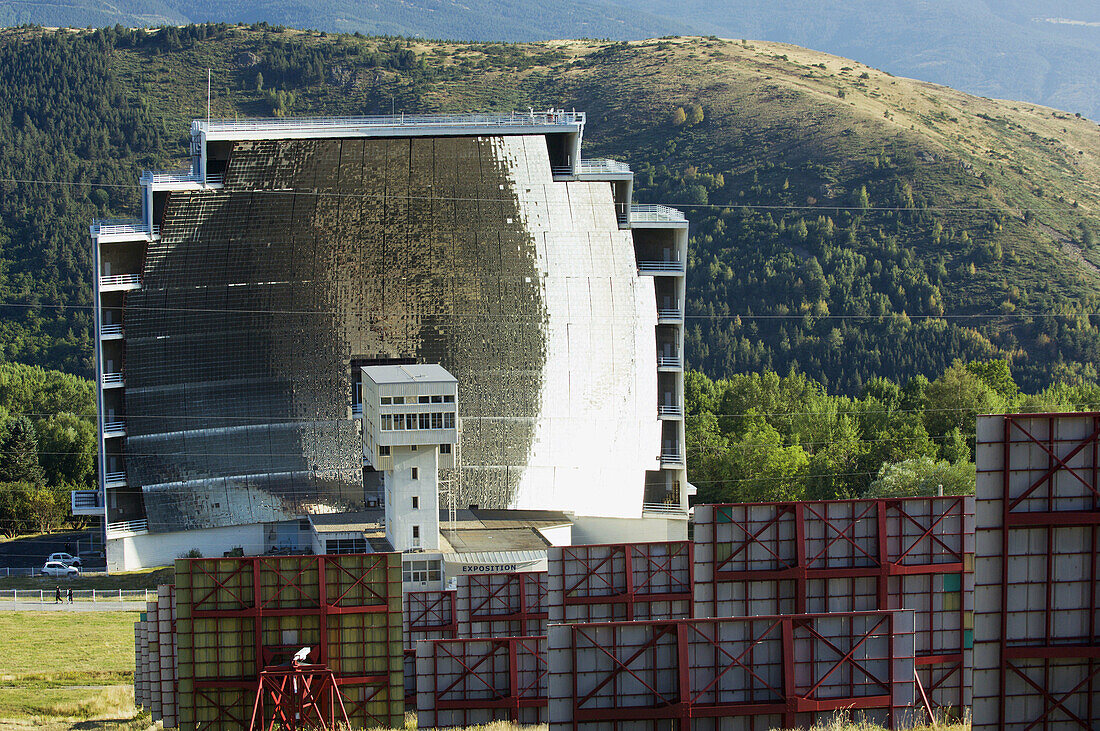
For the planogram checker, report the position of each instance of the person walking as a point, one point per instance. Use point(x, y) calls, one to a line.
point(69, 595)
point(57, 595)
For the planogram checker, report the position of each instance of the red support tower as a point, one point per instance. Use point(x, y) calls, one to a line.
point(298, 696)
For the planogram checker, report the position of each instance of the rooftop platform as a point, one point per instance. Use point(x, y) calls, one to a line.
point(402, 125)
point(418, 373)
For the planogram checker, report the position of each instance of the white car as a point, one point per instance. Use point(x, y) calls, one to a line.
point(65, 558)
point(56, 568)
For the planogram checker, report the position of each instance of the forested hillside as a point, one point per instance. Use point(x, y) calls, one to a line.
point(845, 223)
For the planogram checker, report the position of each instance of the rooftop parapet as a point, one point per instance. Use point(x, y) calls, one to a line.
point(390, 125)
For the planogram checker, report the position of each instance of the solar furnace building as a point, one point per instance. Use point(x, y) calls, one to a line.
point(233, 320)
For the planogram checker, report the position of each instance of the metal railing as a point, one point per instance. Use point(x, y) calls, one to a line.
point(112, 379)
point(668, 410)
point(86, 499)
point(128, 526)
point(669, 361)
point(669, 313)
point(602, 165)
point(655, 213)
point(660, 266)
point(122, 227)
point(356, 411)
point(171, 176)
point(107, 331)
point(560, 170)
point(671, 456)
point(48, 596)
point(515, 119)
point(120, 280)
point(115, 478)
point(118, 425)
point(663, 508)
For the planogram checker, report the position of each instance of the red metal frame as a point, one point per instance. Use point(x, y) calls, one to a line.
point(1038, 508)
point(428, 615)
point(510, 603)
point(620, 580)
point(497, 677)
point(864, 544)
point(299, 696)
point(331, 596)
point(690, 669)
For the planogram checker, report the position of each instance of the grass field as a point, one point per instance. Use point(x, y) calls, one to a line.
point(61, 671)
point(149, 579)
point(73, 672)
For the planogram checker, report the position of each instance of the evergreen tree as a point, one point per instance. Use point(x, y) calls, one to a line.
point(20, 453)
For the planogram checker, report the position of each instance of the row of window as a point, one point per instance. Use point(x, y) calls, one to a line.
point(384, 451)
point(346, 545)
point(447, 399)
point(421, 571)
point(405, 422)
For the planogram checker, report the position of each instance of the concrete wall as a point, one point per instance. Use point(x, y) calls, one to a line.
point(627, 530)
point(148, 550)
point(401, 488)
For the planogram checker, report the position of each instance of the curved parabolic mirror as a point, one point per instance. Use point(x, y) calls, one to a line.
point(316, 254)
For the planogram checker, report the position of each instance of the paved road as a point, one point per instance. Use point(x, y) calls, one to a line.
point(33, 551)
point(74, 607)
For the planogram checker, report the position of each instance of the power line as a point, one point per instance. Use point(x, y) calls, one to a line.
point(473, 199)
point(495, 317)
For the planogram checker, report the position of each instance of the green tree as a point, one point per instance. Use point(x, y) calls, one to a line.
point(679, 116)
point(923, 476)
point(694, 114)
point(19, 449)
point(67, 448)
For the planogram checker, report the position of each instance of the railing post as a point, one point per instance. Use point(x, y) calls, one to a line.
point(93, 596)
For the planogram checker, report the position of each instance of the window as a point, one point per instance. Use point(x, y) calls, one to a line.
point(449, 398)
point(398, 422)
point(416, 532)
point(425, 421)
point(421, 571)
point(386, 400)
point(437, 399)
point(384, 451)
point(412, 448)
point(410, 421)
point(346, 545)
point(416, 502)
point(449, 420)
point(399, 399)
point(416, 473)
point(424, 400)
point(387, 422)
point(437, 420)
point(444, 448)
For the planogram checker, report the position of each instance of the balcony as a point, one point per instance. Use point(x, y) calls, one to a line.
point(127, 528)
point(113, 429)
point(428, 124)
point(670, 316)
point(87, 502)
point(656, 216)
point(110, 332)
point(120, 283)
point(115, 479)
point(672, 458)
point(601, 168)
point(112, 380)
point(109, 230)
point(664, 510)
point(670, 411)
point(661, 268)
point(182, 179)
point(357, 411)
point(670, 363)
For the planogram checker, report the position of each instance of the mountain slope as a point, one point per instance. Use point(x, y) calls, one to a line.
point(1004, 48)
point(844, 222)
